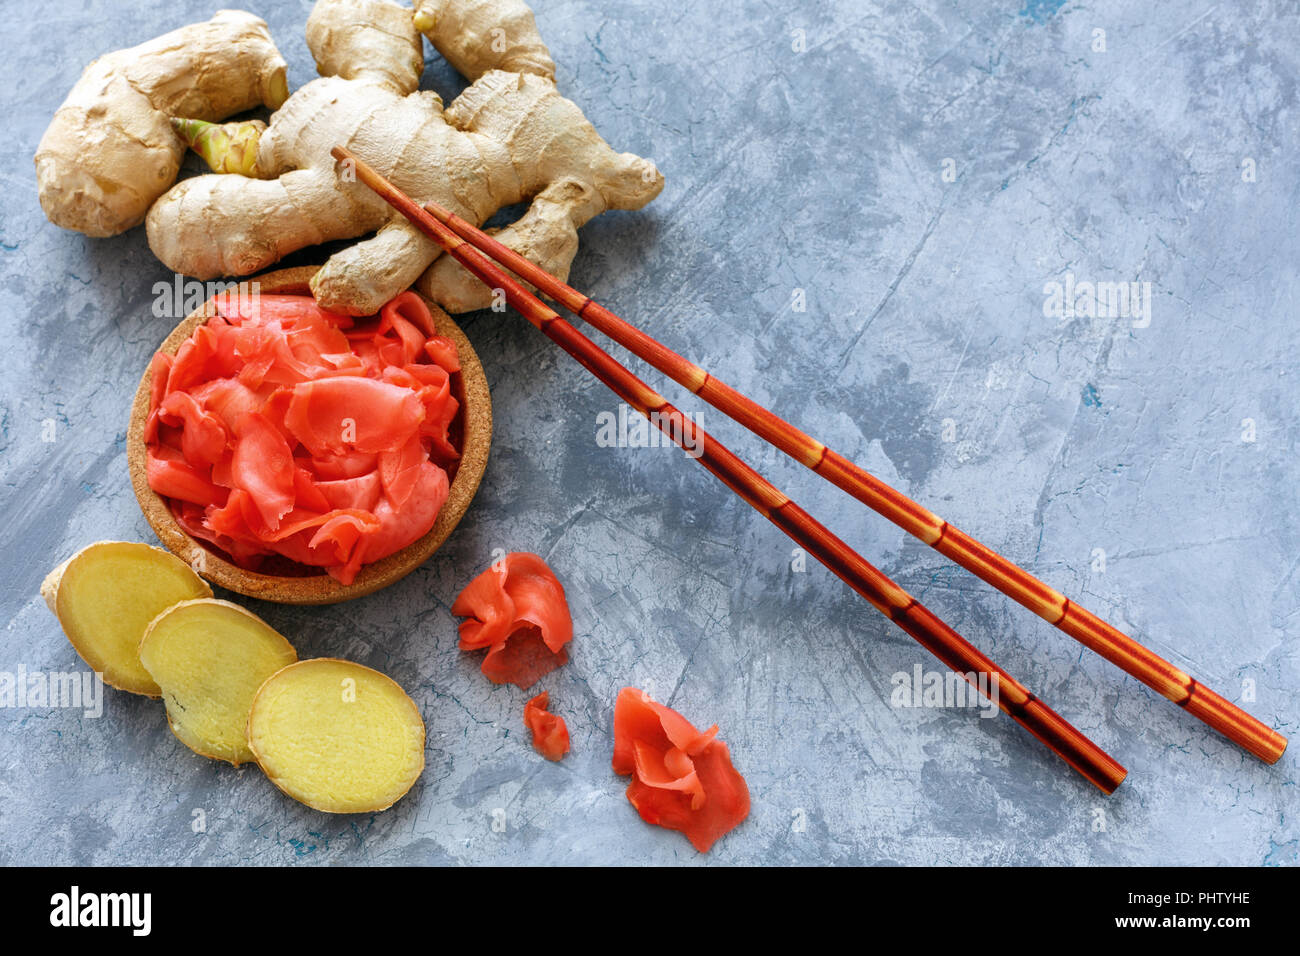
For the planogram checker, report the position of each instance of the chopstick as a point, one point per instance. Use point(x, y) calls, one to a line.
point(1012, 580)
point(881, 592)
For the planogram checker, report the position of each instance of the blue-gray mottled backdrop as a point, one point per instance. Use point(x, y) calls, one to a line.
point(921, 171)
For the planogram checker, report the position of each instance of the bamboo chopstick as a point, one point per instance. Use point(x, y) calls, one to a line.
point(1015, 582)
point(883, 594)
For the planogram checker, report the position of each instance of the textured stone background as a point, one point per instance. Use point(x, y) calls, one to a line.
point(818, 170)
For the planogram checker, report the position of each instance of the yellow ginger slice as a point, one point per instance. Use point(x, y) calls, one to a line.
point(210, 657)
point(106, 594)
point(337, 736)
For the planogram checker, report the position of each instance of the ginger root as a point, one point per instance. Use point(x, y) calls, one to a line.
point(106, 595)
point(476, 36)
point(337, 736)
point(210, 657)
point(509, 138)
point(110, 151)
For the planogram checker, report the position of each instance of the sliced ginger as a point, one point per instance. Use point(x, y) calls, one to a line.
point(337, 736)
point(332, 734)
point(210, 657)
point(106, 594)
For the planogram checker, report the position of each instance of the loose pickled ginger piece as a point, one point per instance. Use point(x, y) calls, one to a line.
point(517, 610)
point(550, 733)
point(682, 778)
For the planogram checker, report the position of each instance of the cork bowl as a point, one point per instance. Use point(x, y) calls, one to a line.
point(471, 433)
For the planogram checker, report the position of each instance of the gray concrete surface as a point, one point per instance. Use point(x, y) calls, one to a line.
point(1145, 465)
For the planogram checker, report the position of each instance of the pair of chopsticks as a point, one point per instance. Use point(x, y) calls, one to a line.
point(472, 248)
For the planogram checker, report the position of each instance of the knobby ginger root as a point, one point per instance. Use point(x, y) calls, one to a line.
point(509, 138)
point(106, 595)
point(337, 736)
point(110, 150)
point(210, 657)
point(476, 36)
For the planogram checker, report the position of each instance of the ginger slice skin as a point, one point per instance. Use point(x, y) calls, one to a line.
point(210, 657)
point(106, 595)
point(337, 736)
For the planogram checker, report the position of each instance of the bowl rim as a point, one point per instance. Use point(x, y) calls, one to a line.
point(476, 412)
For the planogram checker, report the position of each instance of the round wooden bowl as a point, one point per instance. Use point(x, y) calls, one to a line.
point(299, 584)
